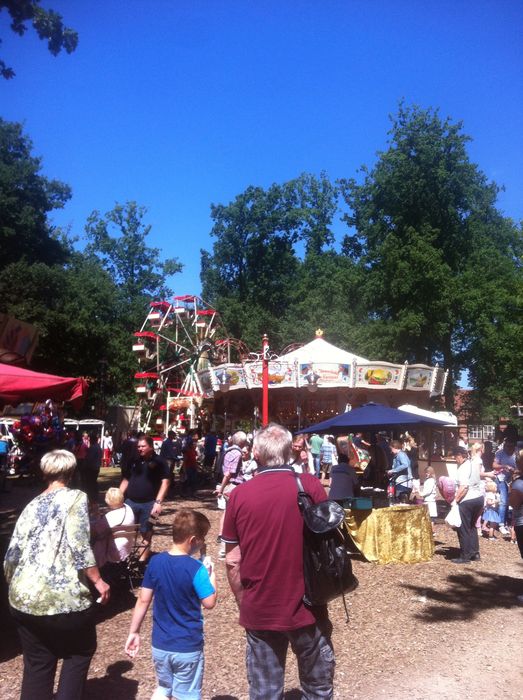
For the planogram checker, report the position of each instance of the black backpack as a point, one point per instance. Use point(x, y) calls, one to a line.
point(327, 568)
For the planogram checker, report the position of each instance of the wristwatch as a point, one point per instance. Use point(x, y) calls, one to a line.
point(158, 502)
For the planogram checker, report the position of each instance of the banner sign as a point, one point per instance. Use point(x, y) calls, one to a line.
point(439, 378)
point(233, 375)
point(18, 339)
point(280, 374)
point(379, 376)
point(324, 374)
point(419, 377)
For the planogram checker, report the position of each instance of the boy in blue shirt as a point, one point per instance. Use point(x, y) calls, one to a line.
point(180, 585)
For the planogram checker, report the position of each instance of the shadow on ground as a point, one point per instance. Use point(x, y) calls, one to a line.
point(113, 685)
point(467, 593)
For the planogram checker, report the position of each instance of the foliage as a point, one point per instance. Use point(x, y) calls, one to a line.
point(430, 243)
point(26, 198)
point(252, 273)
point(47, 24)
point(85, 305)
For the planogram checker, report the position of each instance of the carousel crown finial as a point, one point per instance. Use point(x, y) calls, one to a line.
point(319, 333)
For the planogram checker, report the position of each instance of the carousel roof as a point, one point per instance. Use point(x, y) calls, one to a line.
point(319, 350)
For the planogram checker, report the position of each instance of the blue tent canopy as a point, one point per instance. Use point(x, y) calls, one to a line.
point(371, 416)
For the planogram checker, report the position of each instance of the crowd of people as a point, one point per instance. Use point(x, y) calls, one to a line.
point(55, 563)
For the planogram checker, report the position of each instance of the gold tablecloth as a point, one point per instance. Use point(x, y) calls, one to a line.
point(394, 534)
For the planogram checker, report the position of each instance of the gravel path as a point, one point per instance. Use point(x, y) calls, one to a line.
point(421, 631)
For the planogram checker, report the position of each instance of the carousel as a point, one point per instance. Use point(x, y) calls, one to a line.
point(193, 375)
point(314, 382)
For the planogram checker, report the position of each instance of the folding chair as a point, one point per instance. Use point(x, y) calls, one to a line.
point(129, 569)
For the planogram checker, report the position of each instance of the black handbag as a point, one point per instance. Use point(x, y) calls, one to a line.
point(327, 568)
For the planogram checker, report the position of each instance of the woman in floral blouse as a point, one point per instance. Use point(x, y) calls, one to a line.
point(47, 566)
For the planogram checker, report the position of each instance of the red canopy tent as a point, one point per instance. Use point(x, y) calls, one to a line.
point(17, 385)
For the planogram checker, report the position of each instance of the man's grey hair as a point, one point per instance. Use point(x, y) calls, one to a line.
point(273, 446)
point(239, 438)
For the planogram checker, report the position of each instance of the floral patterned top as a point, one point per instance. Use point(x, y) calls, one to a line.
point(48, 550)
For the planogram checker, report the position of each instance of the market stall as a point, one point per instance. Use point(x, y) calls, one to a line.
point(18, 384)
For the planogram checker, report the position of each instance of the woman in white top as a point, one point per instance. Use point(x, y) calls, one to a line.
point(107, 548)
point(469, 497)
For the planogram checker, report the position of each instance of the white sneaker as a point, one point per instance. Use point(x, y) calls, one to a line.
point(504, 530)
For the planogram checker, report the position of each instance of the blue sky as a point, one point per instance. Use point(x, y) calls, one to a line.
point(180, 103)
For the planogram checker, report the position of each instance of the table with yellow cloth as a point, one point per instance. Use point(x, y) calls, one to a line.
point(394, 534)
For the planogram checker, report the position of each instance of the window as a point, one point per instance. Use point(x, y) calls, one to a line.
point(481, 432)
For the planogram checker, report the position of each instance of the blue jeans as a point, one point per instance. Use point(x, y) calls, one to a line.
point(503, 502)
point(316, 462)
point(179, 674)
point(142, 514)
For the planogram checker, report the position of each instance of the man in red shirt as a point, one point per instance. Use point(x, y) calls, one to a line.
point(263, 534)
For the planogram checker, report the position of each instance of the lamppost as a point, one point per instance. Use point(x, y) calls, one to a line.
point(224, 386)
point(265, 380)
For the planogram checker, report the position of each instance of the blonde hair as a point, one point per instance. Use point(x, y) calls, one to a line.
point(58, 465)
point(475, 448)
point(114, 497)
point(491, 487)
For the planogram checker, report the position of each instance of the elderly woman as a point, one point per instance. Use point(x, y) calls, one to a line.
point(48, 566)
point(470, 500)
point(109, 549)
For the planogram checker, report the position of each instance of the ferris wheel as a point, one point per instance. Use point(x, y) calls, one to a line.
point(178, 339)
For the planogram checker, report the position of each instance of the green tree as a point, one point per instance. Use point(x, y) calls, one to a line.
point(135, 268)
point(429, 242)
point(26, 198)
point(47, 24)
point(252, 272)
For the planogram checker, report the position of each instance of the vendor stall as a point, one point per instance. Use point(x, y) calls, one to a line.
point(18, 384)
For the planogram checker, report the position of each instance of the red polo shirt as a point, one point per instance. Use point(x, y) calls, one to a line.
point(263, 517)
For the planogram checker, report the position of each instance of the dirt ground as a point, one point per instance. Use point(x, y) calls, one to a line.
point(418, 631)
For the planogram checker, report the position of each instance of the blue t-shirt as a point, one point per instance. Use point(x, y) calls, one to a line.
point(179, 583)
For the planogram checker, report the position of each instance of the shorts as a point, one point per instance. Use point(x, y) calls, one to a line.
point(142, 514)
point(179, 674)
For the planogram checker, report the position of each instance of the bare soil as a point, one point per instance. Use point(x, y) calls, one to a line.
point(420, 631)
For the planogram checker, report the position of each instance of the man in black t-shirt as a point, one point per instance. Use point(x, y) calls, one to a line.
point(145, 483)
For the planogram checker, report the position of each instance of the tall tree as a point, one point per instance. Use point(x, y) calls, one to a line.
point(251, 274)
point(47, 24)
point(118, 240)
point(26, 198)
point(421, 220)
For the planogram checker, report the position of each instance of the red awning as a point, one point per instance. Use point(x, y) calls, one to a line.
point(17, 385)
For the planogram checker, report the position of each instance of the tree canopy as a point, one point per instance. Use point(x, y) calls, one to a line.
point(47, 24)
point(26, 198)
point(429, 271)
point(438, 260)
point(85, 304)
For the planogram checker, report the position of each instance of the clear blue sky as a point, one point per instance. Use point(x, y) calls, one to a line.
point(180, 103)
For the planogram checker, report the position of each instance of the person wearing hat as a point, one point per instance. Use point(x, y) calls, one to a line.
point(470, 501)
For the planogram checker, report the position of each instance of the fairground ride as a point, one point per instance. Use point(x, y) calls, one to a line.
point(178, 339)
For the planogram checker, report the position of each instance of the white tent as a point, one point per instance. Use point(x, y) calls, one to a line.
point(320, 351)
point(447, 416)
